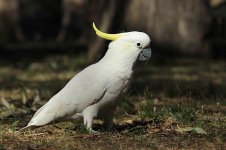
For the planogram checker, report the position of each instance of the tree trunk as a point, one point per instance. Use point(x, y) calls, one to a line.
point(9, 18)
point(104, 20)
point(180, 24)
point(69, 7)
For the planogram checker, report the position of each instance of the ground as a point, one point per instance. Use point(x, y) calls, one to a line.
point(179, 103)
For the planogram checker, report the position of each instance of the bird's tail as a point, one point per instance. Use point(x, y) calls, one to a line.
point(31, 123)
point(24, 129)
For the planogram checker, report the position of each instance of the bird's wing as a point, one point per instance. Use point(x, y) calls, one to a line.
point(86, 88)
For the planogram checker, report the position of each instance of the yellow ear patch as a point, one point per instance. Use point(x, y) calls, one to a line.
point(107, 36)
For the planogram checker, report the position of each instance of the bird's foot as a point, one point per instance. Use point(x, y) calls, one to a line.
point(93, 131)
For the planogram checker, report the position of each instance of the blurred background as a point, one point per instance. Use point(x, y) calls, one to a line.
point(45, 43)
point(188, 28)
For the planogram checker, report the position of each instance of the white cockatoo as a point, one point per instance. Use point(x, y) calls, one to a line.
point(95, 92)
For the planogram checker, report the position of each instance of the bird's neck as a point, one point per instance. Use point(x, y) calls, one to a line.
point(123, 60)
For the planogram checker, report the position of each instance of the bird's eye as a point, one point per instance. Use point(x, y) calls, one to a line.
point(139, 45)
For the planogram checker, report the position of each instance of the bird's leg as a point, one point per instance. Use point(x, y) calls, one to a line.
point(108, 119)
point(88, 121)
point(88, 115)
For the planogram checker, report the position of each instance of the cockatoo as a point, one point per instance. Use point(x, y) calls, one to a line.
point(95, 92)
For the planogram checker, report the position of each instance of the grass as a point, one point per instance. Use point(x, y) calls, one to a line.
point(165, 99)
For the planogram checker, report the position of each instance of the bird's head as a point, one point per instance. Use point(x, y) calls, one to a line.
point(136, 42)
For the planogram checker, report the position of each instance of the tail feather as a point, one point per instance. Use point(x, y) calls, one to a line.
point(22, 129)
point(43, 116)
point(49, 112)
point(39, 110)
point(25, 128)
point(36, 115)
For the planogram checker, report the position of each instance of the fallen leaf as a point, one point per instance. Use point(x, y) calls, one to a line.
point(6, 103)
point(24, 96)
point(199, 130)
point(37, 98)
point(129, 121)
point(186, 129)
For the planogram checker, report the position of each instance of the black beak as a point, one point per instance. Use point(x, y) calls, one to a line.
point(145, 54)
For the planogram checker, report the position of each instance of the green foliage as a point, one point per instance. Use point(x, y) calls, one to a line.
point(182, 113)
point(82, 129)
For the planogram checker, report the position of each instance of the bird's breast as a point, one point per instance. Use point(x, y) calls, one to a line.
point(119, 82)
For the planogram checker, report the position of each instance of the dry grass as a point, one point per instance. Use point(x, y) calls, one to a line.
point(164, 97)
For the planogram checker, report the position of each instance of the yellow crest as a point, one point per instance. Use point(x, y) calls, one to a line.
point(107, 36)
